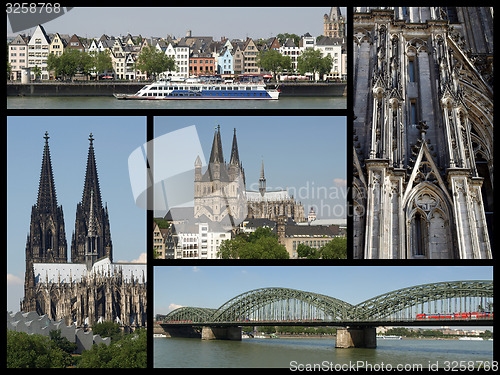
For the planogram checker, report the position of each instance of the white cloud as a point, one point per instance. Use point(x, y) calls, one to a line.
point(173, 306)
point(142, 259)
point(339, 182)
point(14, 280)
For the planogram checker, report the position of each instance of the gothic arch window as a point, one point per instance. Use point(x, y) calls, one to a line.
point(419, 235)
point(411, 70)
point(429, 232)
point(49, 240)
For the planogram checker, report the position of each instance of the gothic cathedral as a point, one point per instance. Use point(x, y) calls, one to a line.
point(423, 132)
point(220, 193)
point(91, 288)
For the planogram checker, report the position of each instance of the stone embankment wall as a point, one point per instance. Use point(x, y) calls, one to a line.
point(288, 89)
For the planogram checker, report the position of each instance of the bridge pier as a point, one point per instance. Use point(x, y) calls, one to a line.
point(189, 332)
point(221, 333)
point(356, 337)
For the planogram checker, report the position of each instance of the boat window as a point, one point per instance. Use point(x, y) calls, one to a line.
point(248, 88)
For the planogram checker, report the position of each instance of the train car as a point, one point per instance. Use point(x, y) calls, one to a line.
point(465, 316)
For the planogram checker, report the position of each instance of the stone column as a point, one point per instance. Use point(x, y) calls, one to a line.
point(221, 333)
point(356, 337)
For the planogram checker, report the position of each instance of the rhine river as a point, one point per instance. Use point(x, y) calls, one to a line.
point(298, 354)
point(15, 102)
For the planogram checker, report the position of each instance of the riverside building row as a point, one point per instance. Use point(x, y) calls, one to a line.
point(193, 55)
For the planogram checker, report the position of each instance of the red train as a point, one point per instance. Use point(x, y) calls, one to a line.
point(477, 315)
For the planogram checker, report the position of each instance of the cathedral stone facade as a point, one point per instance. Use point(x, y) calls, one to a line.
point(91, 288)
point(423, 132)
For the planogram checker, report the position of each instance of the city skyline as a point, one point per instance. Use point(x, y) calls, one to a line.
point(301, 163)
point(114, 139)
point(229, 22)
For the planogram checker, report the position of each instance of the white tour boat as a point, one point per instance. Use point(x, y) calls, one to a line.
point(197, 88)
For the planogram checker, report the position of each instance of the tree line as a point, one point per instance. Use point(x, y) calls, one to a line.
point(153, 62)
point(264, 244)
point(37, 351)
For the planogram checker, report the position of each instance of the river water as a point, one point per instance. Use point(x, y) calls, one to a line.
point(298, 354)
point(14, 102)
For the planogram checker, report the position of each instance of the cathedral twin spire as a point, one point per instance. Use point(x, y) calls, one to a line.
point(47, 240)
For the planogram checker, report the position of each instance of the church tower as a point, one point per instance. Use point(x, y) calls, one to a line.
point(220, 191)
point(46, 242)
point(423, 133)
point(334, 24)
point(92, 221)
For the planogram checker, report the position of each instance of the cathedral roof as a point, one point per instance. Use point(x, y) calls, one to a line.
point(270, 196)
point(55, 272)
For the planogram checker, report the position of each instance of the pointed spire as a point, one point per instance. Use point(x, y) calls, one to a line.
point(216, 156)
point(262, 180)
point(91, 184)
point(92, 226)
point(47, 199)
point(235, 157)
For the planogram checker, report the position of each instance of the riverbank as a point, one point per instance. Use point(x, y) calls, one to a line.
point(67, 89)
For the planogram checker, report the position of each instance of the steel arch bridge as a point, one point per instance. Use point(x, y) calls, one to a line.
point(454, 301)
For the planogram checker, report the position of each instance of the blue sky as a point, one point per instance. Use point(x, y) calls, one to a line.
point(114, 139)
point(306, 154)
point(200, 286)
point(235, 22)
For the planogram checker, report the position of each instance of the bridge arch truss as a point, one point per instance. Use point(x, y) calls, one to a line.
point(282, 304)
point(297, 307)
point(436, 298)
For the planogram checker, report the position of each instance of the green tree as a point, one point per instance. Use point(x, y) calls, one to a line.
point(304, 251)
point(34, 351)
point(261, 232)
point(274, 62)
point(283, 37)
point(62, 342)
point(128, 352)
point(107, 329)
point(264, 248)
point(37, 71)
point(101, 62)
point(154, 61)
point(261, 244)
point(230, 249)
point(311, 61)
point(335, 249)
point(69, 62)
point(162, 223)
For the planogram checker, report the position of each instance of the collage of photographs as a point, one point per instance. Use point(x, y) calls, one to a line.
point(297, 188)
